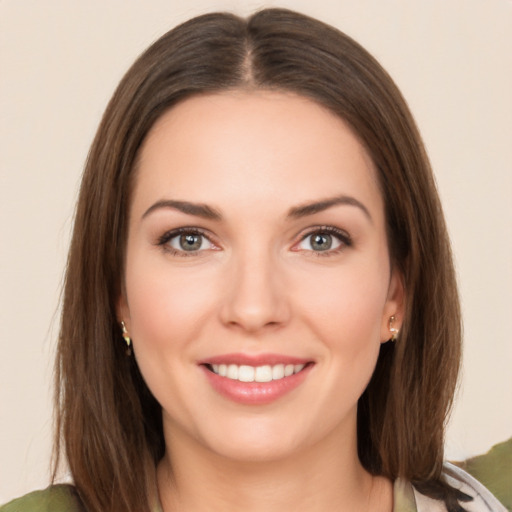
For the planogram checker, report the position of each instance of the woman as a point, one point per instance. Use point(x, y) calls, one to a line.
point(260, 308)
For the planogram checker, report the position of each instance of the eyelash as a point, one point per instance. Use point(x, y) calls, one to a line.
point(343, 237)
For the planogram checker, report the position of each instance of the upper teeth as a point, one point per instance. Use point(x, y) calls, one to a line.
point(245, 373)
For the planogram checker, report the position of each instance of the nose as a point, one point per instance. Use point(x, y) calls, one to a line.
point(255, 296)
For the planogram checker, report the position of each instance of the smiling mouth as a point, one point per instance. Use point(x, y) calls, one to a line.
point(255, 379)
point(265, 373)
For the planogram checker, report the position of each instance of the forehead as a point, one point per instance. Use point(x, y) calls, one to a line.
point(251, 146)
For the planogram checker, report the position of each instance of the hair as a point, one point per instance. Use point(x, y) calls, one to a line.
point(107, 421)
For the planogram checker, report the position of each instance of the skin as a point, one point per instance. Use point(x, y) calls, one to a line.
point(258, 285)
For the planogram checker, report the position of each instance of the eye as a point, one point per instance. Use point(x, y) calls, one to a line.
point(319, 242)
point(189, 242)
point(324, 240)
point(185, 242)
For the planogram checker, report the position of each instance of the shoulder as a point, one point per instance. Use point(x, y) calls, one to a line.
point(482, 499)
point(57, 498)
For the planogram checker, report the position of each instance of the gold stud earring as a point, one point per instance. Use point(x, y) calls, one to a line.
point(393, 330)
point(127, 339)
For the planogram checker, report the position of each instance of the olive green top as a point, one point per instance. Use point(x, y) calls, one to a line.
point(57, 498)
point(63, 498)
point(494, 470)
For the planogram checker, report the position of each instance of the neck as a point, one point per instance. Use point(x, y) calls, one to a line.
point(329, 478)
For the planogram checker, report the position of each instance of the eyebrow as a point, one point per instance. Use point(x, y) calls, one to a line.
point(196, 209)
point(304, 210)
point(320, 206)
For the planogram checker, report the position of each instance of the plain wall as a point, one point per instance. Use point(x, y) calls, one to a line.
point(59, 64)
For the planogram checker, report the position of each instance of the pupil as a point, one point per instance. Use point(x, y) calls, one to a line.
point(190, 242)
point(321, 242)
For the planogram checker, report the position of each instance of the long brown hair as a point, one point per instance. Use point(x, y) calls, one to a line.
point(107, 421)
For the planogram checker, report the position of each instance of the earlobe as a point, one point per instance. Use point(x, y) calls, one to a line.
point(393, 313)
point(122, 311)
point(395, 331)
point(123, 318)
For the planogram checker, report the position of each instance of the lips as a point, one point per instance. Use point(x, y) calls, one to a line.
point(255, 380)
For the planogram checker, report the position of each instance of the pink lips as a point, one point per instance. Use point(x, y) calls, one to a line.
point(255, 393)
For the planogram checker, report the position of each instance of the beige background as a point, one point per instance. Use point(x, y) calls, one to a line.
point(59, 64)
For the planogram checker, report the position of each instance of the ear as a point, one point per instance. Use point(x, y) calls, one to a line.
point(394, 306)
point(122, 310)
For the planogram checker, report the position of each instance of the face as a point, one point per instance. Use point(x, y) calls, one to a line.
point(258, 286)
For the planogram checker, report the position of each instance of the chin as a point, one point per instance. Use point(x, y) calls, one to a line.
point(255, 451)
point(249, 438)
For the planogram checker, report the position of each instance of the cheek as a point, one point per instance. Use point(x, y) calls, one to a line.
point(169, 310)
point(343, 309)
point(166, 304)
point(346, 306)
